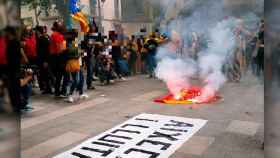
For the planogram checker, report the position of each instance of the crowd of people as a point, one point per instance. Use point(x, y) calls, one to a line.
point(60, 64)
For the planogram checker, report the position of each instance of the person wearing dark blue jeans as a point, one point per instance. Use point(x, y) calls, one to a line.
point(151, 64)
point(81, 84)
point(26, 93)
point(26, 90)
point(151, 46)
point(89, 65)
point(77, 85)
point(65, 83)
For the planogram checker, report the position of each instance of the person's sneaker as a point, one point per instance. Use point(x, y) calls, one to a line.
point(91, 88)
point(84, 96)
point(70, 99)
point(112, 81)
point(28, 106)
point(25, 111)
point(36, 84)
point(63, 95)
point(123, 79)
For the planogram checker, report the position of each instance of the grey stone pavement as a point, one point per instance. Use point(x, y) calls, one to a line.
point(235, 127)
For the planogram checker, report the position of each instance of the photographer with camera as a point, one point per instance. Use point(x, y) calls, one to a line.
point(105, 66)
point(26, 90)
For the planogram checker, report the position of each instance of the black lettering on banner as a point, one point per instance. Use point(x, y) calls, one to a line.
point(174, 130)
point(106, 144)
point(152, 154)
point(165, 145)
point(170, 137)
point(179, 124)
point(140, 119)
point(103, 152)
point(104, 138)
point(140, 126)
point(126, 131)
point(80, 155)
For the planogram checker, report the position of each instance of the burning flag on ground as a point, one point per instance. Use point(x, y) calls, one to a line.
point(188, 96)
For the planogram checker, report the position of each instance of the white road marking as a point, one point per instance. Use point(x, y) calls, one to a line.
point(65, 111)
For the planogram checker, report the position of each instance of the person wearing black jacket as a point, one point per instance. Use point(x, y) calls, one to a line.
point(43, 50)
point(13, 50)
point(90, 46)
point(151, 45)
point(260, 55)
point(116, 53)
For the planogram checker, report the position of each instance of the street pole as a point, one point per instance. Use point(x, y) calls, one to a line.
point(66, 16)
point(99, 16)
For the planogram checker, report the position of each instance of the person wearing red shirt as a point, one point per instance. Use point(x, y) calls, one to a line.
point(29, 45)
point(57, 57)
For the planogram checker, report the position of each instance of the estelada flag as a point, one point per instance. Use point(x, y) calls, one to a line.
point(78, 15)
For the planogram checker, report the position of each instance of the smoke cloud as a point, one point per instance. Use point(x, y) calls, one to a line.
point(212, 60)
point(208, 20)
point(174, 71)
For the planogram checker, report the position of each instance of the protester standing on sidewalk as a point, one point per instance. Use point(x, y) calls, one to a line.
point(260, 53)
point(151, 47)
point(74, 67)
point(43, 50)
point(13, 54)
point(57, 57)
point(90, 42)
point(116, 53)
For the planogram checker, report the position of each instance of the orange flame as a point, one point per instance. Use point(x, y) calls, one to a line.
point(192, 95)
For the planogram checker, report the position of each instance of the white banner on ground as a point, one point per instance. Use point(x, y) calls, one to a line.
point(144, 136)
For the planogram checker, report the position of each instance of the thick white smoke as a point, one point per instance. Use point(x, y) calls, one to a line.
point(207, 18)
point(175, 72)
point(211, 61)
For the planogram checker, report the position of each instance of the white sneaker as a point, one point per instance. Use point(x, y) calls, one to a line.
point(36, 85)
point(70, 99)
point(123, 79)
point(84, 96)
point(112, 81)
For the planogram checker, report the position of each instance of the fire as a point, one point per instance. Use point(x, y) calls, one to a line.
point(192, 95)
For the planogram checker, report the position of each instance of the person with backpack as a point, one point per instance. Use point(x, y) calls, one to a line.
point(74, 67)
